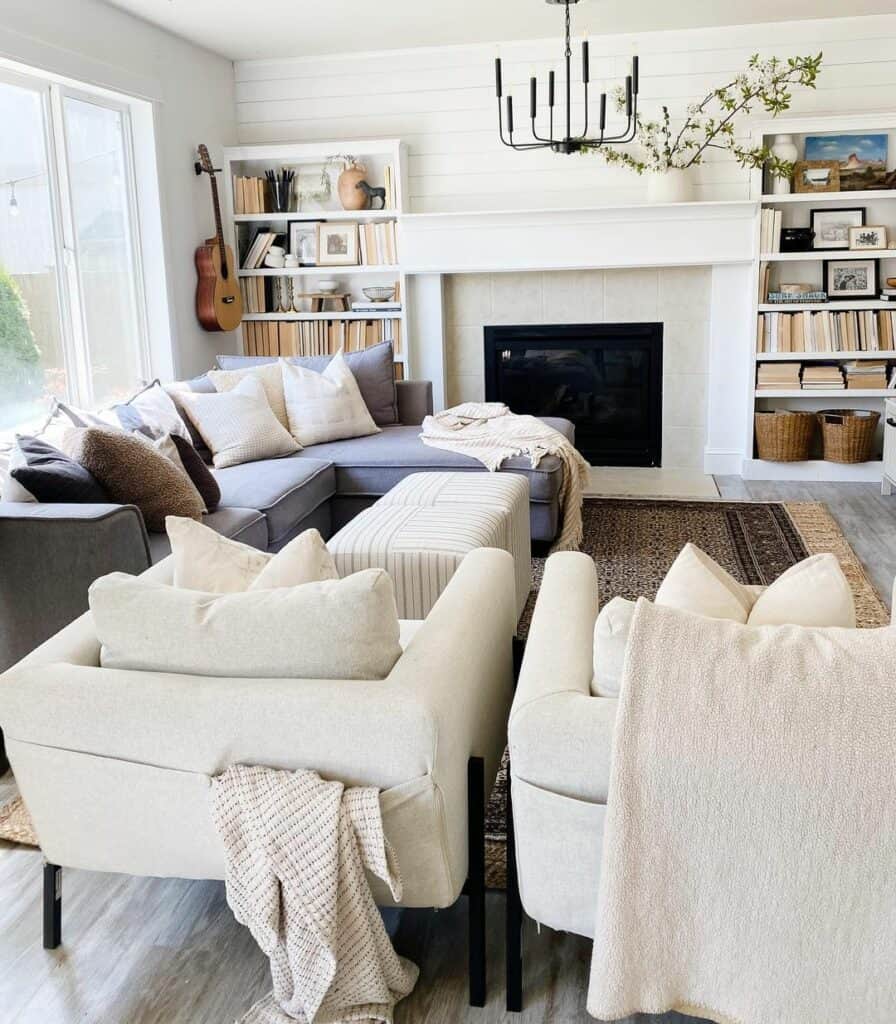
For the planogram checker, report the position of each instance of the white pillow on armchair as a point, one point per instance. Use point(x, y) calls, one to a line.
point(813, 592)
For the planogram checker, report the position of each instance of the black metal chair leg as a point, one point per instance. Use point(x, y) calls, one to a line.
point(476, 877)
point(52, 906)
point(514, 918)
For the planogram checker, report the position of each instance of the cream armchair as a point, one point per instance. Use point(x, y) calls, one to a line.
point(561, 743)
point(115, 766)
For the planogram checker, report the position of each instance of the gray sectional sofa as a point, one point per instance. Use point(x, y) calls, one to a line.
point(50, 554)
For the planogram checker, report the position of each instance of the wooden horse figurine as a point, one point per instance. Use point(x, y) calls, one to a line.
point(373, 193)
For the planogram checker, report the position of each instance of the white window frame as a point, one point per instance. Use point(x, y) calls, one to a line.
point(73, 325)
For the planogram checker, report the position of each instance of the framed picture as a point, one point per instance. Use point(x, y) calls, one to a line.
point(303, 241)
point(816, 176)
point(832, 227)
point(869, 236)
point(337, 245)
point(850, 279)
point(861, 159)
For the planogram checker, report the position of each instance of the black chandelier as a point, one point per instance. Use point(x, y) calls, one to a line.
point(569, 143)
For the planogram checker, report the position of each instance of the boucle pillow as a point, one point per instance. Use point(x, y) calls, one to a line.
point(132, 472)
point(325, 406)
point(270, 378)
point(182, 453)
point(696, 583)
point(206, 561)
point(238, 425)
point(338, 629)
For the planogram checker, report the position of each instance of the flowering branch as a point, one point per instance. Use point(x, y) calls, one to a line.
point(710, 123)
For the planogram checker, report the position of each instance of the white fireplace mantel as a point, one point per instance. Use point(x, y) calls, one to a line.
point(610, 237)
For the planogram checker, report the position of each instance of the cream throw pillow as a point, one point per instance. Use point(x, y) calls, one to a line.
point(337, 629)
point(813, 592)
point(268, 375)
point(204, 560)
point(238, 425)
point(325, 406)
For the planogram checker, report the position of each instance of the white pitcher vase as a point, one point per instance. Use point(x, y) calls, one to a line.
point(676, 185)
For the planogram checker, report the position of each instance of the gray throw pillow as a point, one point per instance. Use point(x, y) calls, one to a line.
point(373, 369)
point(49, 475)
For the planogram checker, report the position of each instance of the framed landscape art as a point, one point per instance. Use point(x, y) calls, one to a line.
point(861, 159)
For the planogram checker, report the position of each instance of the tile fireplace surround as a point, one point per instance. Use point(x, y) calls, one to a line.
point(688, 266)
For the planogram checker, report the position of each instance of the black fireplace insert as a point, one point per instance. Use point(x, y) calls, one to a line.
point(606, 378)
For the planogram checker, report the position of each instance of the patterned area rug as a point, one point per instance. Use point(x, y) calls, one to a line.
point(634, 542)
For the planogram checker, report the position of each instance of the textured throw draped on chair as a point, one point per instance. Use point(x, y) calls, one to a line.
point(748, 873)
point(491, 433)
point(296, 848)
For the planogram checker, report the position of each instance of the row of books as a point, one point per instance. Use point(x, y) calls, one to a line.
point(377, 244)
point(252, 194)
point(770, 225)
point(856, 330)
point(257, 251)
point(869, 375)
point(318, 337)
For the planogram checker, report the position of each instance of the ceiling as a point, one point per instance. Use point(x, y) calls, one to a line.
point(295, 28)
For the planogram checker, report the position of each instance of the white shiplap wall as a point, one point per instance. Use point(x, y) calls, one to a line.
point(441, 102)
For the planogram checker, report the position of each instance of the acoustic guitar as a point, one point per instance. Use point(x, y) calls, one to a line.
point(219, 305)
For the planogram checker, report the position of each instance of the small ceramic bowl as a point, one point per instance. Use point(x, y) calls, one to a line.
point(327, 285)
point(379, 293)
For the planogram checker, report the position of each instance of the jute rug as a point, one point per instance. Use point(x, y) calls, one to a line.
point(633, 542)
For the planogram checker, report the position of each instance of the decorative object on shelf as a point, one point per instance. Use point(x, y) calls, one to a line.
point(219, 303)
point(280, 188)
point(783, 435)
point(848, 434)
point(868, 237)
point(373, 194)
point(327, 285)
point(785, 152)
point(710, 124)
point(627, 103)
point(379, 293)
point(337, 245)
point(796, 288)
point(303, 241)
point(676, 185)
point(861, 159)
point(851, 279)
point(832, 227)
point(275, 257)
point(313, 187)
point(816, 176)
point(797, 239)
point(291, 262)
point(350, 195)
point(891, 282)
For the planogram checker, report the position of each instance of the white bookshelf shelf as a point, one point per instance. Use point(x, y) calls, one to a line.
point(318, 271)
point(305, 215)
point(834, 306)
point(802, 357)
point(829, 197)
point(835, 393)
point(817, 255)
point(351, 315)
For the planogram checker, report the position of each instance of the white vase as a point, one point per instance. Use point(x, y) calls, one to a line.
point(784, 148)
point(673, 186)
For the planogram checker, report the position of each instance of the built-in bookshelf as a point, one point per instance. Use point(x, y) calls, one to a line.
point(829, 348)
point(296, 310)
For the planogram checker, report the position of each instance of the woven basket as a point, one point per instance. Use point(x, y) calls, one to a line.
point(783, 435)
point(848, 434)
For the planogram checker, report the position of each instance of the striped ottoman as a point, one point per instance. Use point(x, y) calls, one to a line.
point(422, 529)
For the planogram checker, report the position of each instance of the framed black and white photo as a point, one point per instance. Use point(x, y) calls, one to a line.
point(303, 241)
point(870, 236)
point(851, 279)
point(832, 227)
point(337, 245)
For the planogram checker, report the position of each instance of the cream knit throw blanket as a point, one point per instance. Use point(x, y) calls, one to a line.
point(748, 873)
point(296, 849)
point(491, 433)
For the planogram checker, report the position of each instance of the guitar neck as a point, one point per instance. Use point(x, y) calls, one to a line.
point(219, 230)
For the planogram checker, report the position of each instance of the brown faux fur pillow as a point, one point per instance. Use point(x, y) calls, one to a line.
point(134, 473)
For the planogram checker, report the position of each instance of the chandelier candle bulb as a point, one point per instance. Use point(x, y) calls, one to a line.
point(635, 75)
point(586, 64)
point(603, 112)
point(532, 97)
point(628, 95)
point(510, 115)
point(499, 88)
point(551, 89)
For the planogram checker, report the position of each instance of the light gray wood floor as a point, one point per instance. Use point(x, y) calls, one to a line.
point(153, 951)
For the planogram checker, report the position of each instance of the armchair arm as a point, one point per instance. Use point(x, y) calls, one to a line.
point(414, 401)
point(50, 555)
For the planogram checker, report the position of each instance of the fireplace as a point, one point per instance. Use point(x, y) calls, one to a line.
point(606, 378)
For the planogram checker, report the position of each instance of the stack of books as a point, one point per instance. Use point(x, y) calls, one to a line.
point(778, 377)
point(259, 249)
point(888, 294)
point(366, 306)
point(770, 231)
point(782, 298)
point(250, 195)
point(378, 246)
point(868, 373)
point(823, 377)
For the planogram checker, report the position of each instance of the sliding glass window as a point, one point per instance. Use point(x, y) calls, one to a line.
point(72, 310)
